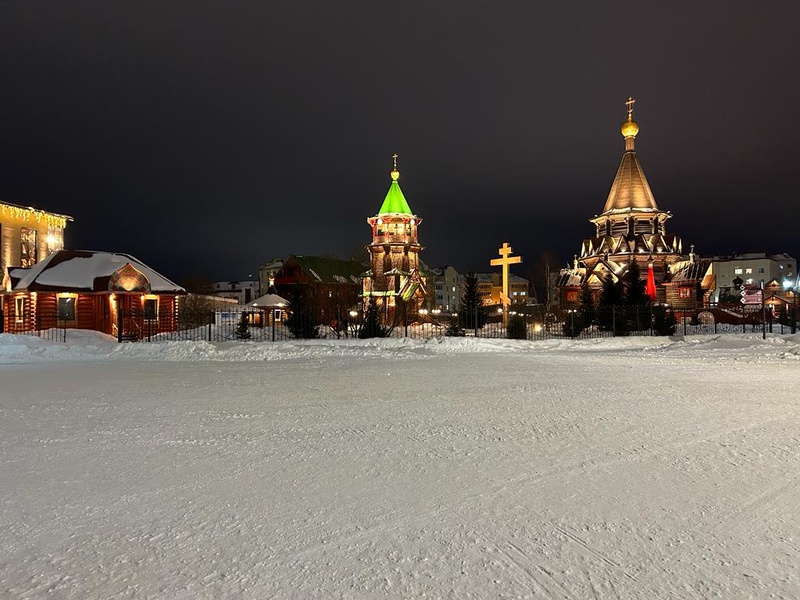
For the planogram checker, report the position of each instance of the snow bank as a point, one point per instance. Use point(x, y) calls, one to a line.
point(88, 345)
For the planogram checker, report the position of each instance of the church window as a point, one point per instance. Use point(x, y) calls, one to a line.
point(619, 228)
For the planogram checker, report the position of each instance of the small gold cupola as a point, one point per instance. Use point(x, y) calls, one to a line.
point(630, 127)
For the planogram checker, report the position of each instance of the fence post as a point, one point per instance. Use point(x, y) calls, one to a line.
point(210, 320)
point(119, 324)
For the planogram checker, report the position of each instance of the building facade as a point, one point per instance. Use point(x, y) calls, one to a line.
point(109, 292)
point(29, 235)
point(394, 277)
point(445, 288)
point(631, 228)
point(328, 288)
point(243, 292)
point(733, 271)
point(490, 288)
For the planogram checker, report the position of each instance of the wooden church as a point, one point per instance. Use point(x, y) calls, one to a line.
point(394, 280)
point(631, 228)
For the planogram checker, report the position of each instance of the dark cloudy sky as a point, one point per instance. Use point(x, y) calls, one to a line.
point(209, 137)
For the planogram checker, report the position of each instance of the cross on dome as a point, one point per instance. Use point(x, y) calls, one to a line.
point(629, 103)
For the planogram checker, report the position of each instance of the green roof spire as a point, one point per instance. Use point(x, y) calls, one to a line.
point(395, 202)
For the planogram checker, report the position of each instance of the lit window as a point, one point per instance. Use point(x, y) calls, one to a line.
point(749, 281)
point(27, 247)
point(749, 271)
point(150, 308)
point(684, 292)
point(19, 308)
point(737, 271)
point(66, 308)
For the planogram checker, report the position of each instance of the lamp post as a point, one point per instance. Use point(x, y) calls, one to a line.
point(354, 322)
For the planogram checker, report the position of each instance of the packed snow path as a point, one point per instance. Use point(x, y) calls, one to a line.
point(609, 469)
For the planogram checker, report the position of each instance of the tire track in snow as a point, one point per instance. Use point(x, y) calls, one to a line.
point(523, 562)
point(516, 485)
point(746, 518)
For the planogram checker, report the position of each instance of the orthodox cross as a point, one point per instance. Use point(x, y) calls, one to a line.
point(394, 159)
point(629, 103)
point(504, 261)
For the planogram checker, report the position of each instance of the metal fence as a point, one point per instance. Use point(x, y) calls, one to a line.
point(532, 323)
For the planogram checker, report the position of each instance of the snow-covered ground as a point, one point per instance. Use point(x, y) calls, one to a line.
point(454, 468)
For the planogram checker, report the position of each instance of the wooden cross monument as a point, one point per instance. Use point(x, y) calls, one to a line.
point(504, 261)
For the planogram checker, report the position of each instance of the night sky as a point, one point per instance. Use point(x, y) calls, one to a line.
point(207, 138)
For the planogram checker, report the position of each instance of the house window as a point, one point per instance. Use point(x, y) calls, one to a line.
point(19, 308)
point(66, 308)
point(749, 271)
point(737, 271)
point(760, 269)
point(150, 308)
point(27, 247)
point(684, 292)
point(572, 296)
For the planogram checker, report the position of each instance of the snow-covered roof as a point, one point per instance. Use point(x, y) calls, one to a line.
point(84, 270)
point(269, 301)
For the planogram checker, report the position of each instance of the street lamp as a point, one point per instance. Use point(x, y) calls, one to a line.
point(572, 312)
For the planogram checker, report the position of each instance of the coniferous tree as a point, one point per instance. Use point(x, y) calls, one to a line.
point(454, 328)
point(372, 327)
point(637, 302)
point(471, 315)
point(588, 312)
point(242, 331)
point(517, 328)
point(664, 321)
point(301, 320)
point(635, 288)
point(610, 315)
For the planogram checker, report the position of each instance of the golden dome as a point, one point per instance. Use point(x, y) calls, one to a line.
point(395, 174)
point(629, 128)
